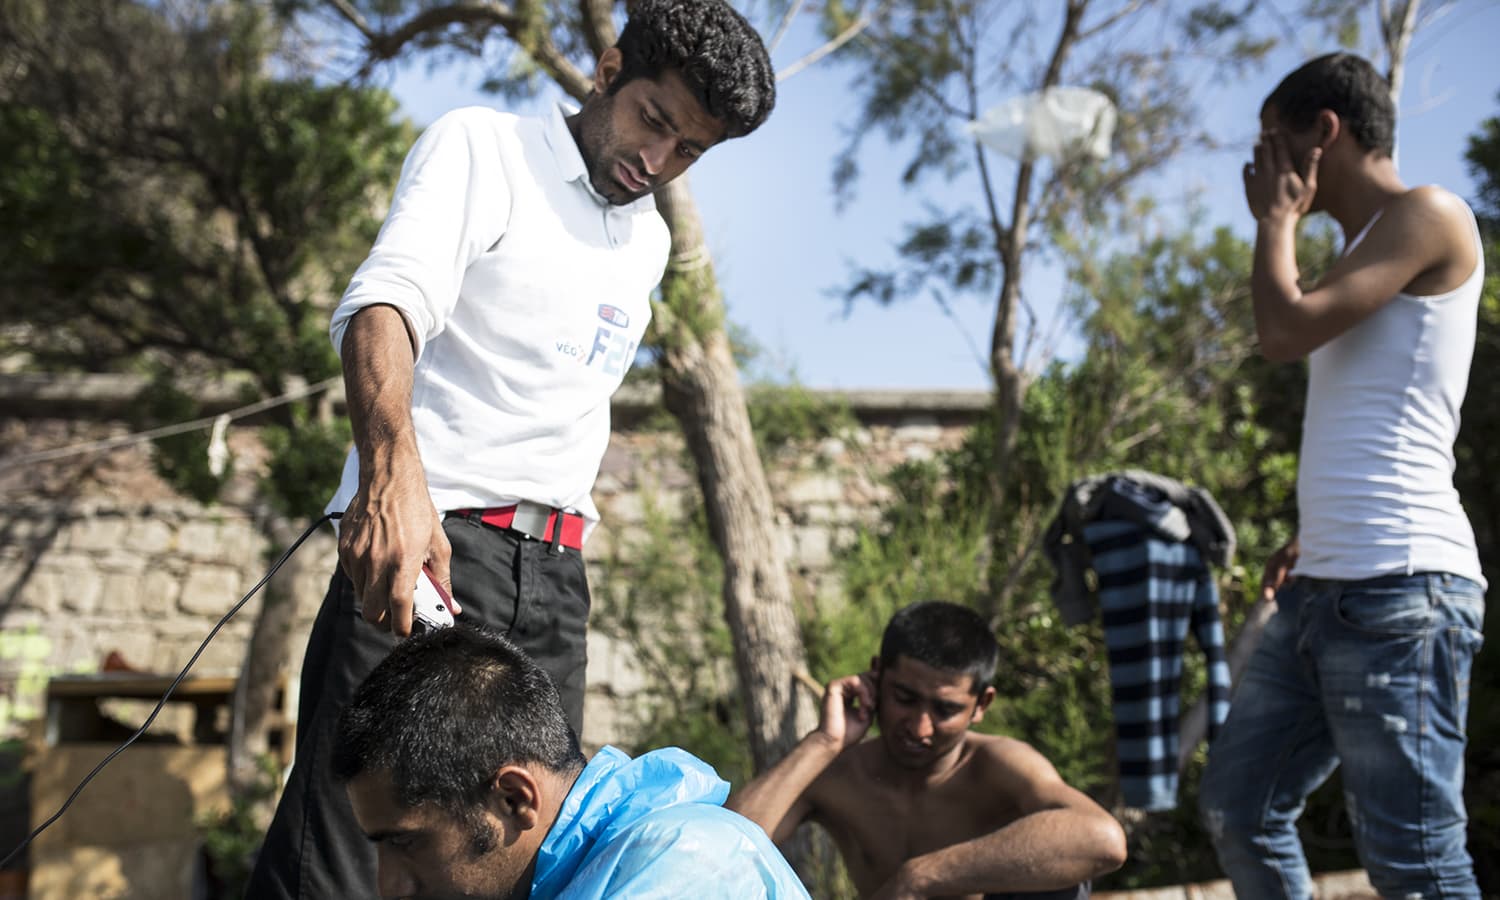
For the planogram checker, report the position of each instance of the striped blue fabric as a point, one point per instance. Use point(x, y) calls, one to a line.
point(1152, 592)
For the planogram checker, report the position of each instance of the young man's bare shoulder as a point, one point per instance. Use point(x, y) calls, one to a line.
point(997, 746)
point(1005, 757)
point(1432, 203)
point(847, 779)
point(1436, 223)
point(850, 769)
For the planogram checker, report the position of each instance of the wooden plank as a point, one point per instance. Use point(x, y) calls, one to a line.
point(133, 686)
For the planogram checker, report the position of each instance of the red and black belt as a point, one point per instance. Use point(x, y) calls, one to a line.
point(533, 521)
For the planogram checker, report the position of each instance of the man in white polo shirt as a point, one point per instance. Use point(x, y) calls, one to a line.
point(1380, 600)
point(481, 340)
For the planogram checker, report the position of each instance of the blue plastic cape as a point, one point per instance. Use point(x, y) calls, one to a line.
point(655, 827)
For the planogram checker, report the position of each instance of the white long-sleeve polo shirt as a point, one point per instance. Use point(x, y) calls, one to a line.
point(527, 294)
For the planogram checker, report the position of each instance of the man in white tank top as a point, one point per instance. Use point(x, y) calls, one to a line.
point(1380, 598)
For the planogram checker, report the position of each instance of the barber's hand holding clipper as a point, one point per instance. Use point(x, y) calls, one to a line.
point(390, 529)
point(387, 535)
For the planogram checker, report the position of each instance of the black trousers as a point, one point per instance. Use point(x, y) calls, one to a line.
point(539, 598)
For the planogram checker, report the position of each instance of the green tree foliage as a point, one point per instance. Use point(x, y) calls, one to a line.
point(926, 68)
point(176, 199)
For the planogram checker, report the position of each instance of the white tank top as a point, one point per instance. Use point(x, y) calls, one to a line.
point(1375, 480)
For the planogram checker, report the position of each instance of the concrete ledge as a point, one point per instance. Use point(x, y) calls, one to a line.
point(105, 397)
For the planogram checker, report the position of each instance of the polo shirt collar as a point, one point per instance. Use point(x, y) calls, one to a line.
point(570, 162)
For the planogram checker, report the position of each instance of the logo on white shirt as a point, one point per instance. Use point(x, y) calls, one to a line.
point(614, 315)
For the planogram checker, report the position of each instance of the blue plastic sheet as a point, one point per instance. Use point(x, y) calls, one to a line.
point(656, 827)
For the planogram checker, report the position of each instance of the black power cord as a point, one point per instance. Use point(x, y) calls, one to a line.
point(170, 688)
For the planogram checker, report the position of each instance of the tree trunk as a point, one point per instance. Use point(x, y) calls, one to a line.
point(701, 388)
point(1397, 25)
point(1010, 395)
point(266, 656)
point(1010, 380)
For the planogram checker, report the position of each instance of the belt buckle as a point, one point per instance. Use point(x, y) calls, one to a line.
point(531, 519)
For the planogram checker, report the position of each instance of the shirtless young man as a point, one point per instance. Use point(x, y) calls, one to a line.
point(930, 809)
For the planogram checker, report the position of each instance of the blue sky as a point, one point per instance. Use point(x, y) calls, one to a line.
point(782, 250)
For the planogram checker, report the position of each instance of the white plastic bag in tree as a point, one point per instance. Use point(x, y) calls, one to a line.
point(1055, 123)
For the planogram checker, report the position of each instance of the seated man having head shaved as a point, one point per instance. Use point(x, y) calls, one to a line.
point(463, 772)
point(932, 809)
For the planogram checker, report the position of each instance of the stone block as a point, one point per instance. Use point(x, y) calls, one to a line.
point(919, 427)
point(120, 560)
point(209, 590)
point(612, 665)
point(610, 719)
point(137, 645)
point(77, 646)
point(123, 592)
point(158, 593)
point(78, 590)
point(97, 533)
point(29, 529)
point(239, 540)
point(151, 536)
point(786, 542)
point(176, 643)
point(832, 448)
point(199, 539)
point(623, 510)
point(814, 488)
point(814, 547)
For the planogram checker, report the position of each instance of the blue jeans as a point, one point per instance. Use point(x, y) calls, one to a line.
point(1372, 676)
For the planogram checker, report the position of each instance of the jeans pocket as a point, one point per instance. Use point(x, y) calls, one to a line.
point(1393, 611)
point(1461, 644)
point(1452, 666)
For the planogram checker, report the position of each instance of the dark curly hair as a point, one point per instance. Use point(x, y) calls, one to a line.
point(946, 636)
point(717, 53)
point(1348, 86)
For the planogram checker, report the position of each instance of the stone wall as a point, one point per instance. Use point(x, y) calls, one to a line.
point(97, 555)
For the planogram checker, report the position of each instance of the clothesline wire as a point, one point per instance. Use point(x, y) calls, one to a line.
point(140, 437)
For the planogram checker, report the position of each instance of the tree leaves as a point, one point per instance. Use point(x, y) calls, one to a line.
point(174, 195)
